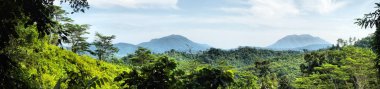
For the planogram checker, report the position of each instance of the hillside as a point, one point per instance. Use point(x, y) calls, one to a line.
point(49, 66)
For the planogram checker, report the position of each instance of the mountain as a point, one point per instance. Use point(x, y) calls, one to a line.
point(160, 45)
point(125, 48)
point(176, 42)
point(313, 47)
point(299, 42)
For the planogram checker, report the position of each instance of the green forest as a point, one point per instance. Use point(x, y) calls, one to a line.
point(32, 56)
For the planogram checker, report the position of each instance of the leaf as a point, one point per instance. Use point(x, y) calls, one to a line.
point(92, 81)
point(93, 86)
point(58, 85)
point(101, 81)
point(98, 82)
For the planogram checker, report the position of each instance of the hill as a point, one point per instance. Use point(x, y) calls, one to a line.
point(176, 42)
point(161, 45)
point(299, 42)
point(125, 48)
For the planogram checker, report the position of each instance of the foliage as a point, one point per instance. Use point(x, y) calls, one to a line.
point(366, 42)
point(210, 79)
point(17, 13)
point(280, 67)
point(75, 37)
point(141, 56)
point(368, 21)
point(349, 67)
point(39, 12)
point(80, 80)
point(104, 47)
point(267, 79)
point(158, 73)
point(42, 65)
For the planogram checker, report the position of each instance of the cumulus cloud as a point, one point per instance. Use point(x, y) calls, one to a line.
point(273, 8)
point(167, 4)
point(266, 8)
point(247, 26)
point(323, 6)
point(281, 8)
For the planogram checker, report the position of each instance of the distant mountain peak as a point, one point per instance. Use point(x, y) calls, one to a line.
point(172, 37)
point(176, 42)
point(175, 36)
point(300, 35)
point(298, 41)
point(121, 43)
point(305, 36)
point(160, 45)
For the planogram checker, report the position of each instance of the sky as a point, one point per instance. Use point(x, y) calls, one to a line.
point(225, 23)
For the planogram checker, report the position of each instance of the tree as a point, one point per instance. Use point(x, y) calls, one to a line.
point(25, 13)
point(60, 19)
point(313, 59)
point(81, 80)
point(369, 21)
point(210, 79)
point(71, 33)
point(349, 67)
point(33, 12)
point(365, 42)
point(75, 37)
point(211, 55)
point(267, 79)
point(157, 74)
point(142, 56)
point(284, 83)
point(104, 46)
point(341, 42)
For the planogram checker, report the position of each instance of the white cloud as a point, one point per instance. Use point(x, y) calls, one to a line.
point(252, 28)
point(323, 6)
point(273, 8)
point(266, 8)
point(167, 4)
point(282, 8)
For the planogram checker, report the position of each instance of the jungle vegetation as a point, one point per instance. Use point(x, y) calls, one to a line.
point(32, 55)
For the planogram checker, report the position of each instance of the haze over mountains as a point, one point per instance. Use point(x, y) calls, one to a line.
point(163, 44)
point(300, 42)
point(183, 44)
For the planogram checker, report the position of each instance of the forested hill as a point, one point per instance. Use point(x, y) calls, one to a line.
point(246, 55)
point(300, 42)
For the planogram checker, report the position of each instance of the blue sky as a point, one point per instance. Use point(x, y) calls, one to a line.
point(225, 23)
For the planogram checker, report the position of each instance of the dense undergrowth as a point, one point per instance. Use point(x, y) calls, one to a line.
point(43, 65)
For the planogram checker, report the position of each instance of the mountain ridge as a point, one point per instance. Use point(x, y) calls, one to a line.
point(300, 42)
point(176, 42)
point(161, 45)
point(183, 44)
